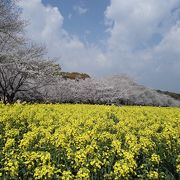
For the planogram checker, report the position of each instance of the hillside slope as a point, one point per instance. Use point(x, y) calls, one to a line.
point(171, 94)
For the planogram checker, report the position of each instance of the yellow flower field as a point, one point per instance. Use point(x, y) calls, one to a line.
point(89, 142)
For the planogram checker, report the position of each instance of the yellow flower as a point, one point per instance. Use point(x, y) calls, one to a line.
point(67, 175)
point(155, 158)
point(153, 175)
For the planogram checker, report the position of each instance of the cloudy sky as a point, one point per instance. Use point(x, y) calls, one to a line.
point(105, 37)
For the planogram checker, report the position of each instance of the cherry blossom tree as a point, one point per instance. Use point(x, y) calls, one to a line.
point(119, 90)
point(25, 71)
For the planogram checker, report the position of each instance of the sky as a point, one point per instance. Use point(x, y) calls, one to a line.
point(139, 38)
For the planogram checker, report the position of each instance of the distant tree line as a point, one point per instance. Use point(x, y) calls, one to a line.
point(114, 90)
point(73, 75)
point(171, 94)
point(118, 90)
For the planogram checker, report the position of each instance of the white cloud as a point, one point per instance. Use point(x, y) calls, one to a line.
point(80, 10)
point(144, 40)
point(46, 26)
point(136, 21)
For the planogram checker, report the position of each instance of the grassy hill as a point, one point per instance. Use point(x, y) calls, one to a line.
point(171, 94)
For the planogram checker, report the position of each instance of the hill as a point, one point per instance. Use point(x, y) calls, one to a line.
point(171, 94)
point(74, 75)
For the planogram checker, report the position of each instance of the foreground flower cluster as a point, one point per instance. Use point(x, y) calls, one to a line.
point(89, 142)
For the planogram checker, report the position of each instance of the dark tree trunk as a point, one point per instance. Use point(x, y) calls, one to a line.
point(4, 98)
point(10, 98)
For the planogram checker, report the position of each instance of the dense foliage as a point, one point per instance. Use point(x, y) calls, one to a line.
point(73, 75)
point(119, 90)
point(171, 94)
point(89, 142)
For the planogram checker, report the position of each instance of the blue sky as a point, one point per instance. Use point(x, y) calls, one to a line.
point(88, 24)
point(107, 37)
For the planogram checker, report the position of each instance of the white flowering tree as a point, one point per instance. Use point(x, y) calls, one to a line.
point(10, 19)
point(25, 71)
point(111, 90)
point(11, 25)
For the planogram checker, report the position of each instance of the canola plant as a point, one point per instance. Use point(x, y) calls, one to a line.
point(89, 142)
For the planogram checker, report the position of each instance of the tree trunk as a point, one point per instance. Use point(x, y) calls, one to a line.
point(10, 98)
point(4, 98)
